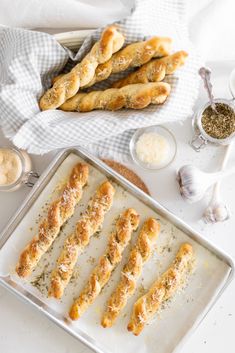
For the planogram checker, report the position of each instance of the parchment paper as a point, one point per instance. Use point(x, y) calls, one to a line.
point(170, 324)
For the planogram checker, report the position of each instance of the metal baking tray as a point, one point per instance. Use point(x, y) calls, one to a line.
point(59, 317)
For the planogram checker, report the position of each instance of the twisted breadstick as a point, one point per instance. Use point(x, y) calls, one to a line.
point(68, 85)
point(59, 212)
point(126, 224)
point(136, 96)
point(131, 272)
point(155, 70)
point(133, 55)
point(89, 223)
point(163, 289)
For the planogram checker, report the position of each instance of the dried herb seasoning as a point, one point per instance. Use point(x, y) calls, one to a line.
point(219, 124)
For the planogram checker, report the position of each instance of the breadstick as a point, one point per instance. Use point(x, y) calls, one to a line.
point(164, 288)
point(133, 55)
point(136, 96)
point(59, 212)
point(154, 71)
point(131, 272)
point(90, 222)
point(56, 78)
point(68, 85)
point(125, 225)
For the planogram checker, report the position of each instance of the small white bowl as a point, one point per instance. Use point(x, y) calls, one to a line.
point(162, 131)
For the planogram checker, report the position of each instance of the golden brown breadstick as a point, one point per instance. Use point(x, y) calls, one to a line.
point(56, 78)
point(59, 212)
point(125, 225)
point(154, 71)
point(136, 96)
point(131, 272)
point(133, 55)
point(163, 289)
point(90, 222)
point(68, 85)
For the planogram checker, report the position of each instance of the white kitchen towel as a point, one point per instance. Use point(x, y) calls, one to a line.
point(62, 14)
point(212, 28)
point(28, 61)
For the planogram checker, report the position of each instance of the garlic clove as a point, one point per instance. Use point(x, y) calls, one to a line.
point(219, 212)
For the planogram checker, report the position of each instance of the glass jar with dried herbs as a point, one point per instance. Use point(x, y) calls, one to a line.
point(218, 123)
point(216, 126)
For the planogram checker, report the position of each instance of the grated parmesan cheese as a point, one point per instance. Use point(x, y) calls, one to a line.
point(63, 268)
point(152, 149)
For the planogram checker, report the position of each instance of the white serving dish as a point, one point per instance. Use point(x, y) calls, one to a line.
point(74, 39)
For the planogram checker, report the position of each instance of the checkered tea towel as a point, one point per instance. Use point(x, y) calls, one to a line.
point(29, 60)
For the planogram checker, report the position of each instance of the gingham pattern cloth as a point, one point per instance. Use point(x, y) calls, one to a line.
point(29, 60)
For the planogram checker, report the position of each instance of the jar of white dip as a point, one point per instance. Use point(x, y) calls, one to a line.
point(15, 169)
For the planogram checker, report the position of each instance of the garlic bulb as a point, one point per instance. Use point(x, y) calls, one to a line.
point(217, 211)
point(194, 183)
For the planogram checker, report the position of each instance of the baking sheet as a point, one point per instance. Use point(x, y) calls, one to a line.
point(178, 315)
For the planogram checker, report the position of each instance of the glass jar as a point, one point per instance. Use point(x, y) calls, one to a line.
point(201, 138)
point(15, 169)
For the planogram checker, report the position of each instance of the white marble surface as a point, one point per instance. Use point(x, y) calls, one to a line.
point(24, 329)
